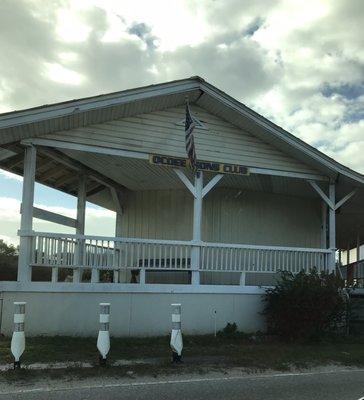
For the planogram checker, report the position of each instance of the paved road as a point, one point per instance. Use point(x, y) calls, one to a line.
point(311, 386)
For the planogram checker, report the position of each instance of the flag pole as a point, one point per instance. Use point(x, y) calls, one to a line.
point(190, 145)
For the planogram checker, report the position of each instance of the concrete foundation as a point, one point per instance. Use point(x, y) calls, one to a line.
point(132, 314)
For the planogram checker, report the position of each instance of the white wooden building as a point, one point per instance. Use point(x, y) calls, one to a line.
point(264, 201)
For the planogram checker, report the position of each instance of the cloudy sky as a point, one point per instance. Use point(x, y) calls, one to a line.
point(297, 62)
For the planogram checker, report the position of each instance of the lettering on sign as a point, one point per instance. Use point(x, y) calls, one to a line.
point(176, 162)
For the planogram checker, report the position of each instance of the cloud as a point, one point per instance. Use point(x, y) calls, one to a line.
point(299, 63)
point(9, 175)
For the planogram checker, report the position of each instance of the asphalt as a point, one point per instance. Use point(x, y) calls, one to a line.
point(338, 385)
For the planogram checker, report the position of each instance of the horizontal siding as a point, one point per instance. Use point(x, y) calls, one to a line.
point(228, 217)
point(161, 132)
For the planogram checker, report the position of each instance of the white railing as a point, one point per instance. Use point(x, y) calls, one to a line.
point(74, 251)
point(251, 258)
point(353, 273)
point(100, 253)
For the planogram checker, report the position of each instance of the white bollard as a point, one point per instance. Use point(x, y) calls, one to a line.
point(103, 339)
point(176, 334)
point(18, 338)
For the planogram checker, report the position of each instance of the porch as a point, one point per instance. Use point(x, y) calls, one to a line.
point(284, 222)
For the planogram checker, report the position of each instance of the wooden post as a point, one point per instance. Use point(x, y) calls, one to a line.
point(26, 221)
point(198, 192)
point(348, 255)
point(324, 224)
point(118, 274)
point(349, 269)
point(356, 271)
point(332, 228)
point(80, 228)
point(142, 276)
point(340, 258)
point(242, 279)
point(196, 233)
point(357, 248)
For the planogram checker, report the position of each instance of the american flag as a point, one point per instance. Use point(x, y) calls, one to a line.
point(190, 143)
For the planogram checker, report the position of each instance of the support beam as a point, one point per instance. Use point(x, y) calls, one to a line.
point(242, 280)
point(81, 168)
point(348, 255)
point(96, 189)
point(198, 192)
point(117, 200)
point(142, 276)
point(214, 181)
point(80, 228)
point(332, 228)
point(324, 225)
point(345, 199)
point(119, 275)
point(322, 194)
point(118, 232)
point(89, 149)
point(287, 174)
point(357, 248)
point(327, 199)
point(340, 260)
point(185, 181)
point(26, 221)
point(53, 217)
point(65, 179)
point(13, 161)
point(196, 233)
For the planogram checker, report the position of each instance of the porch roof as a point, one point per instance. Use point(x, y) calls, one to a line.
point(35, 122)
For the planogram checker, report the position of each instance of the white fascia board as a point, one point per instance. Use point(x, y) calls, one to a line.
point(83, 147)
point(288, 174)
point(279, 132)
point(78, 106)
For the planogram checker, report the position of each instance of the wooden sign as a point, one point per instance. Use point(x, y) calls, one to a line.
point(209, 166)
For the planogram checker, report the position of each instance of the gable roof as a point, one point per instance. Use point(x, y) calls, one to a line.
point(18, 125)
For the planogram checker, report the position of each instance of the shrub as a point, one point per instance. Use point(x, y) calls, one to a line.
point(305, 306)
point(229, 330)
point(8, 261)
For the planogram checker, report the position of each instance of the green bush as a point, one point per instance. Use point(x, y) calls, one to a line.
point(229, 330)
point(305, 306)
point(8, 261)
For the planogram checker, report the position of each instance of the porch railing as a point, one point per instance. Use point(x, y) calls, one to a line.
point(250, 258)
point(111, 253)
point(353, 273)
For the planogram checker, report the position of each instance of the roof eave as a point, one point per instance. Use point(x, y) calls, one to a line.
point(281, 134)
point(38, 114)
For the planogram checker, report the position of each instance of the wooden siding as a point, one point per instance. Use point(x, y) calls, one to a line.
point(229, 216)
point(161, 132)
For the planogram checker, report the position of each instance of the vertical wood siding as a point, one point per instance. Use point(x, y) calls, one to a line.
point(229, 216)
